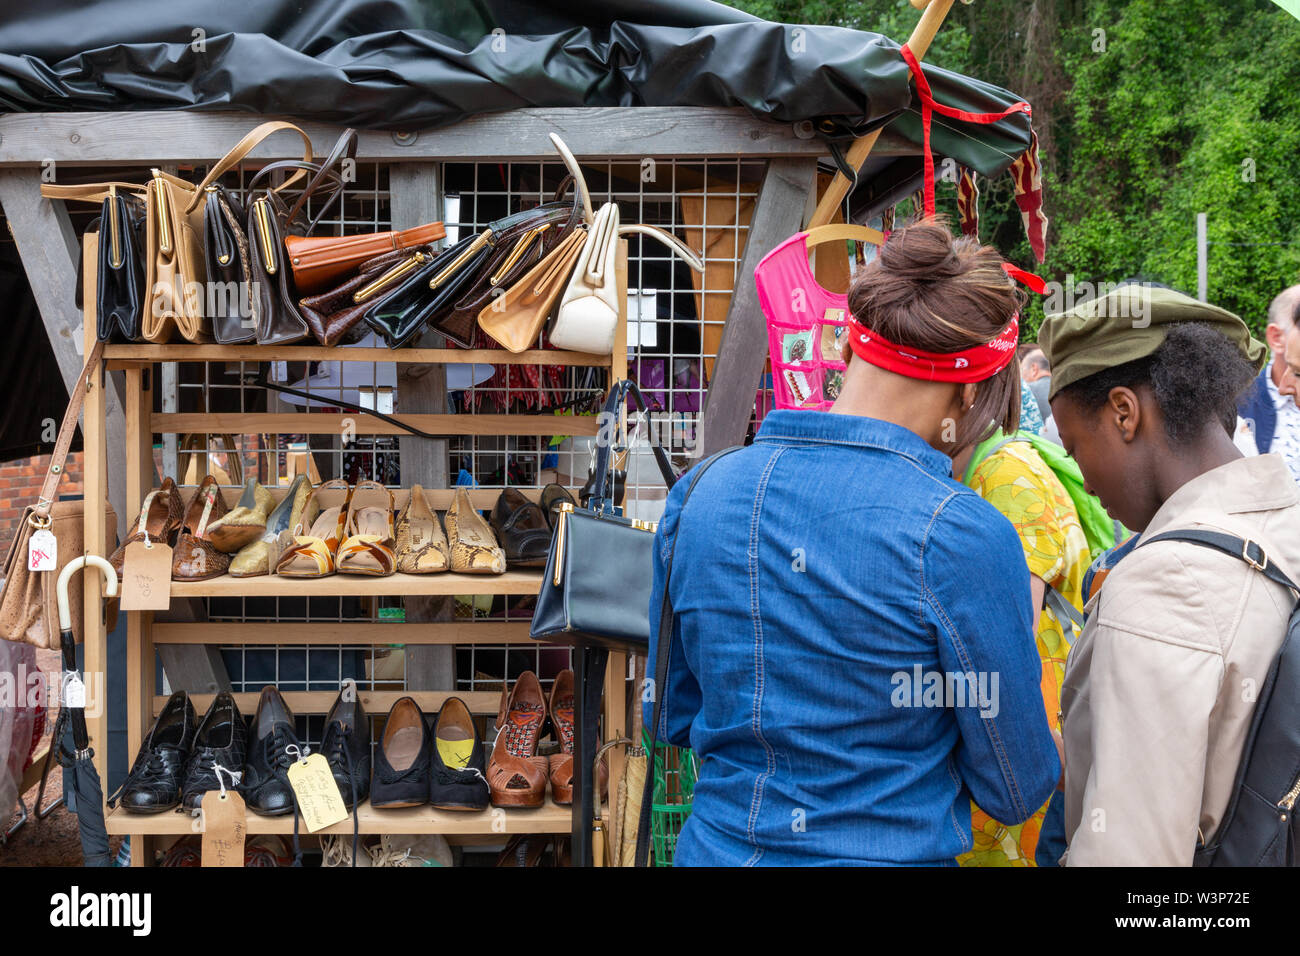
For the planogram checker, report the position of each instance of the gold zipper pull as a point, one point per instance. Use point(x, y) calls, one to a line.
point(261, 216)
point(389, 277)
point(115, 255)
point(164, 220)
point(484, 238)
point(1288, 802)
point(517, 252)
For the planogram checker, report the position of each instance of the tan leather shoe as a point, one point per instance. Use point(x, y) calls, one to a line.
point(368, 546)
point(421, 544)
point(311, 554)
point(516, 772)
point(244, 523)
point(160, 517)
point(473, 547)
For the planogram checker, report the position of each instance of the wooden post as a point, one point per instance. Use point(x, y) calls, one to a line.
point(918, 43)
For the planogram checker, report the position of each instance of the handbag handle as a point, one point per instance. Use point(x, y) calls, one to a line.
point(320, 175)
point(40, 514)
point(242, 149)
point(89, 192)
point(344, 148)
point(580, 181)
point(675, 245)
point(663, 650)
point(617, 395)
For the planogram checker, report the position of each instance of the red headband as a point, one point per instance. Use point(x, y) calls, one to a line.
point(970, 365)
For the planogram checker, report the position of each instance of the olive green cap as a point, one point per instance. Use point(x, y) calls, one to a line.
point(1128, 324)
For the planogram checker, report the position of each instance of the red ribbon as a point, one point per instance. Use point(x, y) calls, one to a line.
point(929, 106)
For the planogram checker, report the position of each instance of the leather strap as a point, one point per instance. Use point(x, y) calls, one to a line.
point(675, 245)
point(89, 192)
point(1250, 552)
point(242, 149)
point(663, 651)
point(617, 396)
point(59, 456)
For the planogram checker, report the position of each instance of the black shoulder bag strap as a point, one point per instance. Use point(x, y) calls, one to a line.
point(1249, 551)
point(662, 651)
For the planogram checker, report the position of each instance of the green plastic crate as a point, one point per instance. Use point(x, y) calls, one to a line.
point(675, 774)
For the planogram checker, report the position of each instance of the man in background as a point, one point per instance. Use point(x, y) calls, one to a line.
point(1269, 405)
point(1036, 372)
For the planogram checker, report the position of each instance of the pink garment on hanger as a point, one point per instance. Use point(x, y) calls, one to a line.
point(806, 327)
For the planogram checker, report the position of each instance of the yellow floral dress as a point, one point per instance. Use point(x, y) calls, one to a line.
point(1017, 482)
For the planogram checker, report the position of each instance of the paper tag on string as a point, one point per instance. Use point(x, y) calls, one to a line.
point(42, 551)
point(147, 576)
point(318, 795)
point(74, 691)
point(224, 828)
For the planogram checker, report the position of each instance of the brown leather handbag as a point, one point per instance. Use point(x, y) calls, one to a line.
point(319, 262)
point(334, 316)
point(27, 603)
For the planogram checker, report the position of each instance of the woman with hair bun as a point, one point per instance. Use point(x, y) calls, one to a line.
point(852, 655)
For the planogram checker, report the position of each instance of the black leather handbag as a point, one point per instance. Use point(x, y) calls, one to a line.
point(404, 312)
point(228, 259)
point(120, 293)
point(596, 586)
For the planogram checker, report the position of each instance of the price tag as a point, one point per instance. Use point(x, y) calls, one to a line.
point(318, 795)
point(74, 691)
point(224, 827)
point(147, 576)
point(42, 551)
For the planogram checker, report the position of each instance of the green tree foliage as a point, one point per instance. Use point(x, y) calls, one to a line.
point(1148, 112)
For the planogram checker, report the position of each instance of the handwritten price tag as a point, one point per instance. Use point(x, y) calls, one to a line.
point(318, 795)
point(224, 828)
point(147, 577)
point(42, 551)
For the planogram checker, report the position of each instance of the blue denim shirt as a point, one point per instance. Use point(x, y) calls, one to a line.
point(825, 580)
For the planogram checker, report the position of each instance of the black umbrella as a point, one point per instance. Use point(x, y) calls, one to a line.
point(82, 791)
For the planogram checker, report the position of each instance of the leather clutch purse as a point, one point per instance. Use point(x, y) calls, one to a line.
point(120, 291)
point(401, 315)
point(335, 316)
point(319, 262)
point(234, 313)
point(515, 318)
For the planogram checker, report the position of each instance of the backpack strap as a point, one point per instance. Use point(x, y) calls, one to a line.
point(1251, 552)
point(1067, 615)
point(662, 651)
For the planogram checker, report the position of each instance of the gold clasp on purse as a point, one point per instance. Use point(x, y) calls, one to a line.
point(566, 508)
point(164, 220)
point(115, 240)
point(389, 277)
point(262, 217)
point(484, 238)
point(517, 252)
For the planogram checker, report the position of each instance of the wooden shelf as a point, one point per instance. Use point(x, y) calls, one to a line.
point(120, 356)
point(376, 703)
point(332, 423)
point(548, 818)
point(360, 585)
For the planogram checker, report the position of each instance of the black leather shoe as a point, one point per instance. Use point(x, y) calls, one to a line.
point(523, 530)
point(554, 495)
point(402, 762)
point(459, 768)
point(221, 740)
point(154, 783)
point(274, 746)
point(346, 745)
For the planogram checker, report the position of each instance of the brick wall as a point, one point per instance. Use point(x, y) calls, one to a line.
point(20, 483)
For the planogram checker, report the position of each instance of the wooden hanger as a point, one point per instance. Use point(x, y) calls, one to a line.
point(841, 232)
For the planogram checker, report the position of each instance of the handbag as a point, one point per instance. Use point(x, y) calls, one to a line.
point(596, 586)
point(234, 315)
point(334, 316)
point(588, 314)
point(27, 602)
point(320, 262)
point(515, 318)
point(119, 289)
point(663, 655)
point(270, 220)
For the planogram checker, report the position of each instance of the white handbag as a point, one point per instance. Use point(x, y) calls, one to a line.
point(586, 317)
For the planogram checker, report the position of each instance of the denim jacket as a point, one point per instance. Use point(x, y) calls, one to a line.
point(853, 654)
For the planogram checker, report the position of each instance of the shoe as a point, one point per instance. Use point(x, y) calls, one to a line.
point(346, 745)
point(459, 774)
point(402, 766)
point(266, 849)
point(274, 746)
point(552, 497)
point(368, 544)
point(159, 518)
point(336, 850)
point(524, 849)
point(261, 555)
point(195, 558)
point(221, 740)
point(421, 544)
point(311, 554)
point(516, 773)
point(561, 711)
point(472, 547)
point(427, 849)
point(154, 783)
point(244, 523)
point(523, 530)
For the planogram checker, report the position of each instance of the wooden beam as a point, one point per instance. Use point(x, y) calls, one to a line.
point(361, 634)
point(49, 250)
point(326, 423)
point(376, 702)
point(182, 136)
point(361, 585)
point(125, 356)
point(739, 367)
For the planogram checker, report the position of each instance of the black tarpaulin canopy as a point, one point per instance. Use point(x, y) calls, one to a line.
point(410, 64)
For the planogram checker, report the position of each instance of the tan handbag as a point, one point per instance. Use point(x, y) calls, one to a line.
point(175, 272)
point(27, 603)
point(195, 460)
point(515, 318)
